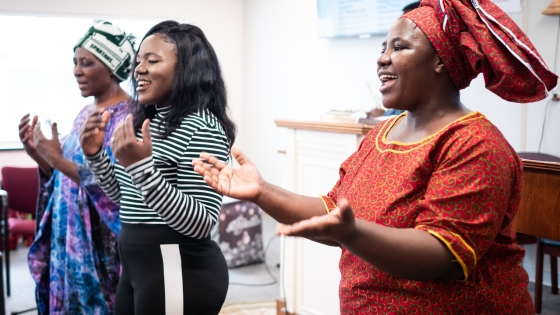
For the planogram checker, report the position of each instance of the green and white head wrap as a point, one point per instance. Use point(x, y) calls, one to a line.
point(110, 45)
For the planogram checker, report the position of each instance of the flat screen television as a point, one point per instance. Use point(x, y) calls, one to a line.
point(351, 18)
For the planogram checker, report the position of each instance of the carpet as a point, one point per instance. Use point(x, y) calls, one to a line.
point(260, 308)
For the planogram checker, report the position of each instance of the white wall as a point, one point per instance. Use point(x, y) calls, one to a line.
point(291, 74)
point(544, 32)
point(221, 21)
point(15, 158)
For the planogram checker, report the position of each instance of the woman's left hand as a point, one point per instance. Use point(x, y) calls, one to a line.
point(126, 147)
point(49, 149)
point(334, 228)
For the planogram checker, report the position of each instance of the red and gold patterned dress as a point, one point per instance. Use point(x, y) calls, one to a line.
point(462, 185)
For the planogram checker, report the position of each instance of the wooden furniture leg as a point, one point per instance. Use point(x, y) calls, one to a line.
point(554, 269)
point(539, 277)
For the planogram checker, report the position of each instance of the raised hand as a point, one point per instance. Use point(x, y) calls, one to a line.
point(333, 228)
point(93, 132)
point(26, 133)
point(126, 147)
point(245, 182)
point(49, 150)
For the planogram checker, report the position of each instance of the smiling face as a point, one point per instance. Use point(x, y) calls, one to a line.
point(94, 78)
point(407, 66)
point(155, 70)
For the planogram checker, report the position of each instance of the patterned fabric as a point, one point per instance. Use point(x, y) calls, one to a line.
point(74, 258)
point(110, 45)
point(476, 36)
point(462, 185)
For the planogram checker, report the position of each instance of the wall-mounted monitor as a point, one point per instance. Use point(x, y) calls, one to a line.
point(348, 18)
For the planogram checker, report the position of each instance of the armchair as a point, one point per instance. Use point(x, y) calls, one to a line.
point(21, 185)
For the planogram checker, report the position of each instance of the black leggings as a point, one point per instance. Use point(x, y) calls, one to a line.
point(165, 272)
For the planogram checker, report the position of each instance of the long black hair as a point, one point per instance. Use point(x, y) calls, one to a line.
point(197, 82)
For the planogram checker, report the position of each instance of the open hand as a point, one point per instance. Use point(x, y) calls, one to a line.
point(26, 127)
point(49, 150)
point(244, 182)
point(126, 147)
point(337, 226)
point(92, 134)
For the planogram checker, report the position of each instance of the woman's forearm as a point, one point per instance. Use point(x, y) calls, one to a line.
point(404, 253)
point(287, 207)
point(67, 168)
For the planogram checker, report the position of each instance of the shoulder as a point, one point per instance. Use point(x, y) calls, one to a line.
point(474, 137)
point(203, 132)
point(83, 114)
point(119, 110)
point(200, 127)
point(202, 120)
point(475, 129)
point(86, 110)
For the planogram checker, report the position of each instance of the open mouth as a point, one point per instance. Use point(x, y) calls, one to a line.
point(387, 78)
point(142, 85)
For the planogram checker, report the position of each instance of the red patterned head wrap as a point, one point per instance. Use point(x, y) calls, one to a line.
point(474, 36)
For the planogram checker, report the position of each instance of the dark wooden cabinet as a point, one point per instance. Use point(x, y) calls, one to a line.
point(539, 209)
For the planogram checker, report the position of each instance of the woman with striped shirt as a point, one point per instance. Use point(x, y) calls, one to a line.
point(170, 265)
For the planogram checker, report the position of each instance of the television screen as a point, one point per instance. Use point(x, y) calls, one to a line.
point(343, 18)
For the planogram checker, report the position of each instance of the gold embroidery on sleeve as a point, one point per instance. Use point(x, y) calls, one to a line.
point(439, 237)
point(325, 204)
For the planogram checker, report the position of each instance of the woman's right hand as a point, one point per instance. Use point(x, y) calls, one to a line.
point(26, 133)
point(334, 229)
point(93, 132)
point(244, 182)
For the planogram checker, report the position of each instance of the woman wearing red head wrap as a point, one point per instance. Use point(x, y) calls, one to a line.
point(423, 210)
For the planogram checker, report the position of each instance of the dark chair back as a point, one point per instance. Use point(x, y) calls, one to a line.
point(538, 157)
point(22, 186)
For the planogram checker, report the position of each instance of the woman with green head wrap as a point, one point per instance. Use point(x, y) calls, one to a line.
point(74, 258)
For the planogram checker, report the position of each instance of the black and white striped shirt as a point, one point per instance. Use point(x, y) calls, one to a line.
point(164, 188)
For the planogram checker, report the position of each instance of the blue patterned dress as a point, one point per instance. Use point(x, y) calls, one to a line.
point(74, 259)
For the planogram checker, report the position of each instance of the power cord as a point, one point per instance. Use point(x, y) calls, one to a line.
point(555, 97)
point(266, 268)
